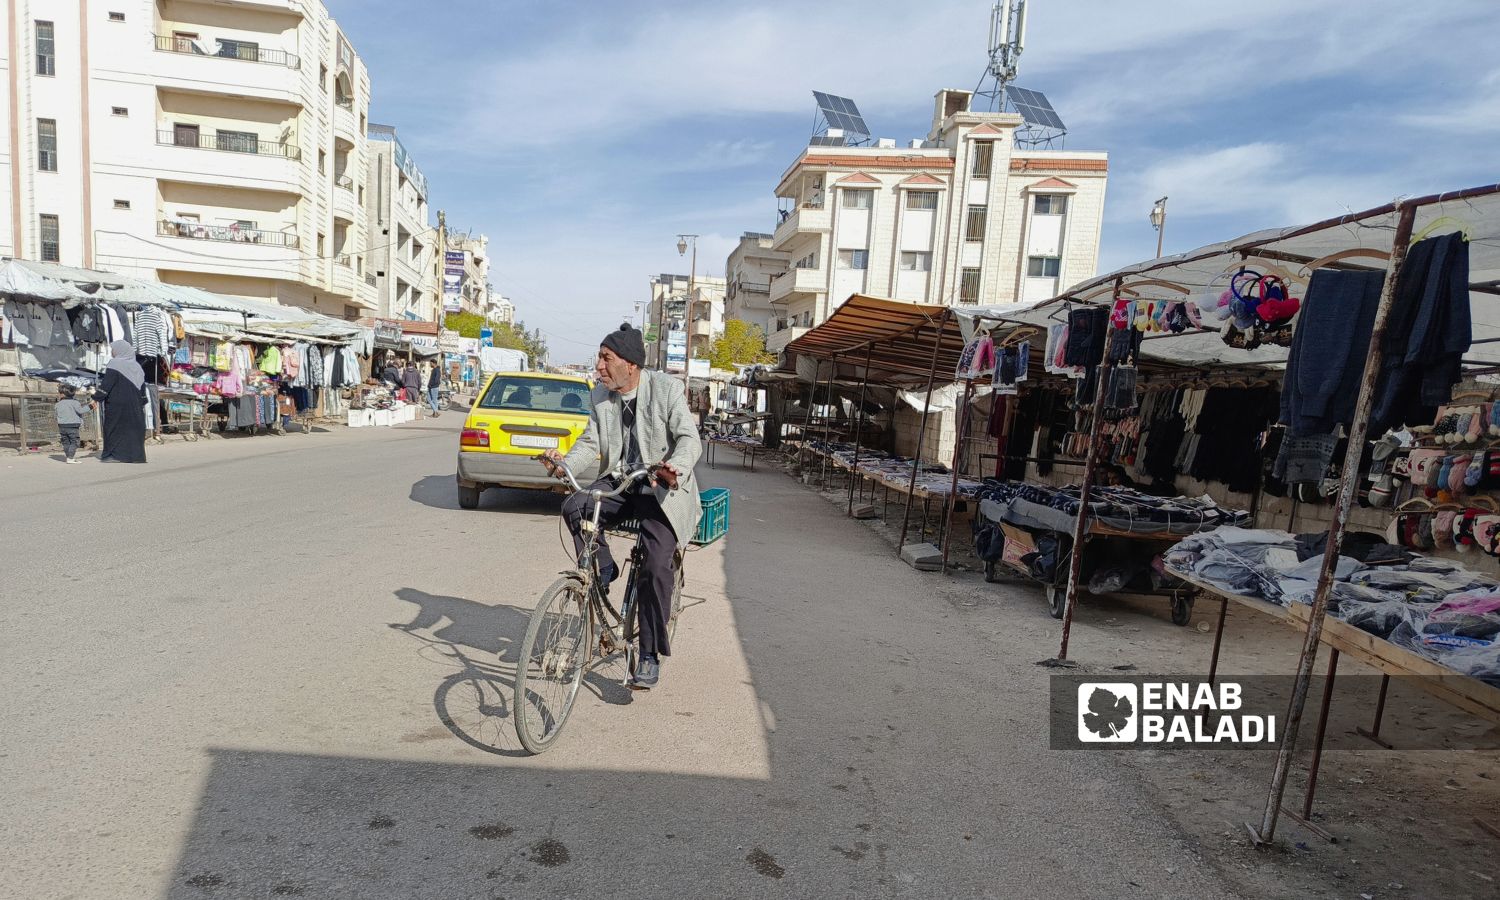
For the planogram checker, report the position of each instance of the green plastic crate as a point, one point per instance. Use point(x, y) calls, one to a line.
point(714, 523)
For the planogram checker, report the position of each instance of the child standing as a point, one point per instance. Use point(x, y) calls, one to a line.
point(71, 413)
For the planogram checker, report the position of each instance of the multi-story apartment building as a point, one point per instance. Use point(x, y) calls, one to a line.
point(501, 309)
point(747, 277)
point(668, 311)
point(962, 217)
point(474, 297)
point(220, 145)
point(403, 252)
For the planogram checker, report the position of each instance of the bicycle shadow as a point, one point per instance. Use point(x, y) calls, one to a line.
point(474, 703)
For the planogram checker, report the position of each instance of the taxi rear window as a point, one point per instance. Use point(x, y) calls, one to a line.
point(520, 392)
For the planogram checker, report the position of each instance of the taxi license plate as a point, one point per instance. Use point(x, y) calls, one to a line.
point(533, 440)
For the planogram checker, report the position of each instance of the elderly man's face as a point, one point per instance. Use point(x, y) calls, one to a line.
point(615, 373)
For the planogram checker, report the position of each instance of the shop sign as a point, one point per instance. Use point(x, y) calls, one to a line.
point(448, 340)
point(676, 351)
point(388, 333)
point(453, 280)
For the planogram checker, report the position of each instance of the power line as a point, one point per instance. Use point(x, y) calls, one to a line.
point(221, 258)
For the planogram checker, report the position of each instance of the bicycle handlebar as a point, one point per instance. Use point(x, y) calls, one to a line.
point(625, 483)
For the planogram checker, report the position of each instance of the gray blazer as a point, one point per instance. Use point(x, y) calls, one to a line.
point(666, 431)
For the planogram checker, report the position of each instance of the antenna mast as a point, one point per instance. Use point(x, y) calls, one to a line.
point(1007, 40)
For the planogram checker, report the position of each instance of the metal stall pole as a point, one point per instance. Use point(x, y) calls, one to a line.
point(937, 344)
point(1090, 464)
point(859, 422)
point(1349, 480)
point(833, 367)
point(958, 443)
point(812, 394)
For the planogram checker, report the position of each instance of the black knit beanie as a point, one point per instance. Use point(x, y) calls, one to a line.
point(626, 344)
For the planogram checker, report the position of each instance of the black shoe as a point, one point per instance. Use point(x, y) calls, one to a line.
point(647, 673)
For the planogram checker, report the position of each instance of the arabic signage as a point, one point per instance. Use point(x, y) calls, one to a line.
point(676, 350)
point(453, 280)
point(448, 340)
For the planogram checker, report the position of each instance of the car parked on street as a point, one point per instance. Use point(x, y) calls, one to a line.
point(518, 415)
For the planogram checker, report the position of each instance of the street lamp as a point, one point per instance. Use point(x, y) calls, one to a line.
point(1159, 222)
point(687, 334)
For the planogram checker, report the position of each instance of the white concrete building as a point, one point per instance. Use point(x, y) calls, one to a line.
point(668, 311)
point(402, 260)
point(214, 144)
point(500, 308)
point(476, 250)
point(963, 217)
point(747, 277)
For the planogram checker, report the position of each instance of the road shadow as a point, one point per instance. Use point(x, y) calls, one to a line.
point(493, 630)
point(441, 492)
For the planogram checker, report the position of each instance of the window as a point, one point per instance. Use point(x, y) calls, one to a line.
point(854, 259)
point(858, 199)
point(237, 141)
point(968, 287)
point(361, 195)
point(239, 49)
point(50, 251)
point(122, 204)
point(46, 145)
point(916, 261)
point(323, 78)
point(322, 161)
point(117, 17)
point(321, 241)
point(974, 223)
point(1050, 204)
point(984, 153)
point(543, 394)
point(1043, 266)
point(810, 261)
point(46, 50)
point(187, 217)
point(118, 111)
point(921, 199)
point(244, 224)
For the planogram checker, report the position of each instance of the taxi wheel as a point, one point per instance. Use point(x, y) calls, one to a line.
point(468, 497)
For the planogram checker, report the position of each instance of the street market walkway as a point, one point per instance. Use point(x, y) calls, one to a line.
point(268, 667)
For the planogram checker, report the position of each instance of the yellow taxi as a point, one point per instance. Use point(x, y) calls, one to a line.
point(517, 416)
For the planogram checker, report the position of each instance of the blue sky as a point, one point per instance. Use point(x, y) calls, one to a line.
point(582, 137)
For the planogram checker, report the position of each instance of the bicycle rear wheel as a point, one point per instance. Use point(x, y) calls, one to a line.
point(550, 668)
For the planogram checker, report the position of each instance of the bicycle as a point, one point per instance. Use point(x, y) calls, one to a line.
point(575, 627)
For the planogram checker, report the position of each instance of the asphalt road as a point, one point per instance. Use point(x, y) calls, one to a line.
point(281, 667)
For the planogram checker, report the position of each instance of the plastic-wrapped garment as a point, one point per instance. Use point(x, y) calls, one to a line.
point(1240, 560)
point(1377, 612)
point(1425, 580)
point(1300, 582)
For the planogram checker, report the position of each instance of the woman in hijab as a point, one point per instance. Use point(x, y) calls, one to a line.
point(122, 391)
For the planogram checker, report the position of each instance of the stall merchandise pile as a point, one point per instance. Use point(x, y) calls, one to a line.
point(931, 477)
point(1433, 607)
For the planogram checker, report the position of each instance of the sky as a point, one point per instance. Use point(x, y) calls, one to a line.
point(583, 137)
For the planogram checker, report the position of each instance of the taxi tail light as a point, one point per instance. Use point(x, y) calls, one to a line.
point(472, 437)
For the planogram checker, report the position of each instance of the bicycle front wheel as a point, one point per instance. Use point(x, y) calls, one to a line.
point(550, 667)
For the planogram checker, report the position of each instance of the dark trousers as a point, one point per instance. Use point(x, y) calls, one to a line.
point(656, 580)
point(69, 435)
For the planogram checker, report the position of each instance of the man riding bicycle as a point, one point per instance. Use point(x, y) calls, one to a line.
point(640, 417)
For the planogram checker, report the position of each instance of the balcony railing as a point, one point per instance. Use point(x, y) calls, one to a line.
point(345, 182)
point(345, 102)
point(343, 260)
point(244, 50)
point(370, 279)
point(232, 142)
point(232, 233)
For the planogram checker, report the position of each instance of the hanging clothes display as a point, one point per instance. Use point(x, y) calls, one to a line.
point(1429, 331)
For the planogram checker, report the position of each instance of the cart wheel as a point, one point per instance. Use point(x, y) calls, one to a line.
point(1182, 608)
point(1057, 598)
point(989, 571)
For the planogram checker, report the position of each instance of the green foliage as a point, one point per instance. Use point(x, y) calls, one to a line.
point(741, 343)
point(514, 337)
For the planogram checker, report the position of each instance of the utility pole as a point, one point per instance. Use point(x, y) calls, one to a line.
point(1159, 222)
point(687, 324)
point(442, 269)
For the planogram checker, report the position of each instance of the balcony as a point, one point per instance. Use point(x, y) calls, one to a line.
point(247, 51)
point(803, 220)
point(345, 124)
point(798, 281)
point(231, 233)
point(230, 142)
point(343, 204)
point(343, 181)
point(343, 260)
point(776, 341)
point(343, 281)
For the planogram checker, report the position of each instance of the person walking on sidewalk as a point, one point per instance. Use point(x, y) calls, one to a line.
point(434, 381)
point(71, 414)
point(123, 393)
point(412, 379)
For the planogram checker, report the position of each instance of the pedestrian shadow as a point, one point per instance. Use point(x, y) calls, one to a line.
point(441, 492)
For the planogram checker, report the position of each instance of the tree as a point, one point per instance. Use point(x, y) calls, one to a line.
point(741, 343)
point(512, 336)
